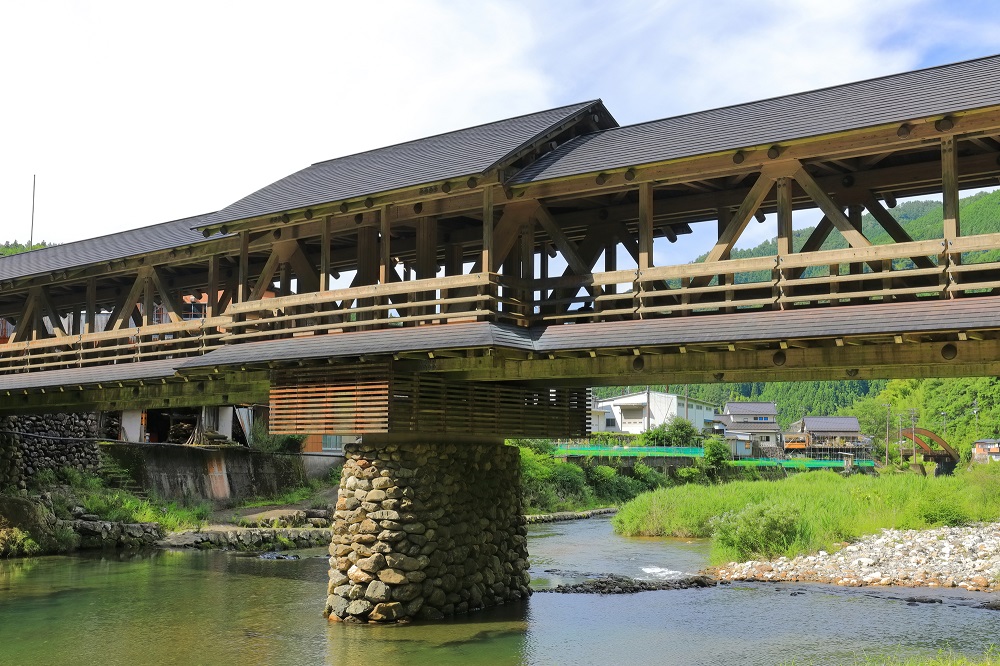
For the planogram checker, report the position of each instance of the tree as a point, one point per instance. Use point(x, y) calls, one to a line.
point(716, 456)
point(678, 431)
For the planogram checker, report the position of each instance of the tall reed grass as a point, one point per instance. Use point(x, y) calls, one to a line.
point(810, 511)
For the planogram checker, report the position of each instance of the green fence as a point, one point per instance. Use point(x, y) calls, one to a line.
point(696, 452)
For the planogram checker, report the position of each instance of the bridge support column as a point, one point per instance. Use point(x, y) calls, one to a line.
point(426, 528)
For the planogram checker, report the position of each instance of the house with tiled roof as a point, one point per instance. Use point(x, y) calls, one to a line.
point(750, 428)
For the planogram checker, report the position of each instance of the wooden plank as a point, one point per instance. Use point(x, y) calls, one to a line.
point(860, 254)
point(118, 316)
point(243, 277)
point(784, 188)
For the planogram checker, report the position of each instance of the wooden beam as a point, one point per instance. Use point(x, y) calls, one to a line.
point(563, 244)
point(166, 300)
point(385, 245)
point(508, 228)
point(90, 325)
point(123, 311)
point(263, 283)
point(212, 308)
point(832, 211)
point(742, 217)
point(306, 275)
point(892, 227)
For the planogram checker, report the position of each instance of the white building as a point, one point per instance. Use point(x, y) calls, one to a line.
point(750, 428)
point(638, 412)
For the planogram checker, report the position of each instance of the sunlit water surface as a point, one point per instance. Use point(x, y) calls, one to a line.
point(215, 607)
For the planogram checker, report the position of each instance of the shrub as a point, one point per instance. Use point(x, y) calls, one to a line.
point(263, 440)
point(15, 542)
point(649, 477)
point(757, 531)
point(611, 486)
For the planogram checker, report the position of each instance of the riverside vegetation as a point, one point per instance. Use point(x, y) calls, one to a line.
point(549, 485)
point(812, 511)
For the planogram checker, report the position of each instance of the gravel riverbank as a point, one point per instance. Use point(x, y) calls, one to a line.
point(966, 557)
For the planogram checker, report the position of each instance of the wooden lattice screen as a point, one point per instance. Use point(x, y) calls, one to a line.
point(371, 398)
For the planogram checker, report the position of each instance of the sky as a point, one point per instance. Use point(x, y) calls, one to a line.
point(134, 113)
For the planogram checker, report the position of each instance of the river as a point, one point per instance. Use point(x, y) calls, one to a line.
point(211, 607)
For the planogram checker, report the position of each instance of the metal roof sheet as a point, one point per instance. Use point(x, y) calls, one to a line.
point(157, 237)
point(463, 152)
point(832, 424)
point(938, 90)
point(94, 374)
point(750, 408)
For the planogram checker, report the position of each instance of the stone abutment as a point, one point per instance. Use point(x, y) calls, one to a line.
point(426, 530)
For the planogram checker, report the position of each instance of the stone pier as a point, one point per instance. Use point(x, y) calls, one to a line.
point(425, 529)
point(10, 458)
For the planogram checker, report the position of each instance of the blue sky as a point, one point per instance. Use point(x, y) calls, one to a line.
point(137, 113)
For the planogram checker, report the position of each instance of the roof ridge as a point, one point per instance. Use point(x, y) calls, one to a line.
point(581, 105)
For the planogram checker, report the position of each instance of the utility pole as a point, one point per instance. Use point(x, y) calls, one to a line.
point(888, 421)
point(31, 234)
point(944, 425)
point(975, 413)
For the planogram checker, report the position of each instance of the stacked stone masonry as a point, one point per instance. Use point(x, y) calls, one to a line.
point(10, 459)
point(424, 531)
point(54, 449)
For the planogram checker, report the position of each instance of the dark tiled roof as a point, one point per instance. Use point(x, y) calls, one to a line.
point(95, 374)
point(897, 98)
point(103, 248)
point(751, 408)
point(388, 341)
point(464, 152)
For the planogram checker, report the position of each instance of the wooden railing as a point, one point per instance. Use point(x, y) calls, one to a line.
point(146, 343)
point(902, 271)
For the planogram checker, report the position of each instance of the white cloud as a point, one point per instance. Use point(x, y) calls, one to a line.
point(137, 113)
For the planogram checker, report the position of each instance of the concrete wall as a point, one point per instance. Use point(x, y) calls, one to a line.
point(206, 473)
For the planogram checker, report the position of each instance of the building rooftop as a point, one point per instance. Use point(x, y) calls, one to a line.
point(751, 408)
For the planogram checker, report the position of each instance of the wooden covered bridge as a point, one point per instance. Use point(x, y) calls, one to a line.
point(474, 284)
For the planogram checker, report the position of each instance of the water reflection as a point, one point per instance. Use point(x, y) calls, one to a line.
point(213, 607)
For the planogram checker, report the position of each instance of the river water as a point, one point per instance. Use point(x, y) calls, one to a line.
point(191, 607)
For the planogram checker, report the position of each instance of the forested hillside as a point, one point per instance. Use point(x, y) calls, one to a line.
point(980, 213)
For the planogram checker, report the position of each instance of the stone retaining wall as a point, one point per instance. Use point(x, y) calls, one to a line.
point(10, 459)
point(248, 538)
point(51, 450)
point(107, 534)
point(425, 531)
point(568, 515)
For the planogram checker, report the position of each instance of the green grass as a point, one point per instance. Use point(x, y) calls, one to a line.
point(293, 496)
point(811, 511)
point(122, 506)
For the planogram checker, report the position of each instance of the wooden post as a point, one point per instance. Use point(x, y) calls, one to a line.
point(725, 216)
point(368, 261)
point(527, 294)
point(857, 268)
point(242, 287)
point(147, 300)
point(487, 262)
point(452, 266)
point(952, 225)
point(784, 193)
point(91, 307)
point(427, 235)
point(212, 290)
point(645, 226)
point(385, 255)
point(324, 254)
